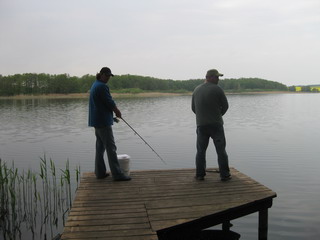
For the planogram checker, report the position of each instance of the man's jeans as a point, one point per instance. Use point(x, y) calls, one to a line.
point(216, 132)
point(105, 142)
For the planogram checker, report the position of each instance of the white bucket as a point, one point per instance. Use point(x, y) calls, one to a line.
point(124, 161)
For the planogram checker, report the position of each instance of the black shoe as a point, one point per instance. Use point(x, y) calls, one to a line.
point(106, 175)
point(123, 178)
point(199, 178)
point(225, 179)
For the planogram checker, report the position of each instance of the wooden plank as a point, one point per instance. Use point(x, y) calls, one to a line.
point(97, 222)
point(106, 216)
point(98, 210)
point(80, 228)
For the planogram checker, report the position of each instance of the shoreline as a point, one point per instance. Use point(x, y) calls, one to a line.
point(86, 95)
point(128, 95)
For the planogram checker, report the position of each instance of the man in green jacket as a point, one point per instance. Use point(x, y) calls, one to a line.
point(209, 103)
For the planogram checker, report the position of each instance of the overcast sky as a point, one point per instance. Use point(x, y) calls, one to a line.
point(277, 40)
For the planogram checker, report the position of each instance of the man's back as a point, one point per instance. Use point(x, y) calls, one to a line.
point(209, 103)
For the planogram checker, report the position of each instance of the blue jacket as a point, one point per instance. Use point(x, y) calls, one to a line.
point(100, 105)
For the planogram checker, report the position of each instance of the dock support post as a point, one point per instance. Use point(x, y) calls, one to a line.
point(263, 224)
point(226, 226)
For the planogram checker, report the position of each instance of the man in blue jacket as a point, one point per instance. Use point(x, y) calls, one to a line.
point(101, 109)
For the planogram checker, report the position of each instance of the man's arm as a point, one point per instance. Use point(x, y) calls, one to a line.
point(193, 105)
point(105, 97)
point(224, 104)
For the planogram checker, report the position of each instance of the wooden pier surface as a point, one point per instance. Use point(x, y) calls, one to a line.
point(156, 200)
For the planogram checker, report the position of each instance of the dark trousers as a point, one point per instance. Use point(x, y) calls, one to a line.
point(105, 143)
point(216, 132)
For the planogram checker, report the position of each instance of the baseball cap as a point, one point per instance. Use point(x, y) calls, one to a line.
point(106, 71)
point(213, 72)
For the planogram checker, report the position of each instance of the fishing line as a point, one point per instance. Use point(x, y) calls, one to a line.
point(143, 140)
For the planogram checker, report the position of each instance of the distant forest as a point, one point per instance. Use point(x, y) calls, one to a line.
point(36, 84)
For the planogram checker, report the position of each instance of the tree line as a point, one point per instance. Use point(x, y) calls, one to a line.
point(37, 84)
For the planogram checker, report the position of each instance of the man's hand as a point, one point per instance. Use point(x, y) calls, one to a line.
point(117, 112)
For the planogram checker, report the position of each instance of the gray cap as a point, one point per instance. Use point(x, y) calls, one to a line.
point(213, 73)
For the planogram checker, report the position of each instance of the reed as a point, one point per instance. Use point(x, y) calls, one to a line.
point(35, 202)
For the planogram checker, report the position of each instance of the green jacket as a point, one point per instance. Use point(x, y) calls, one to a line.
point(209, 103)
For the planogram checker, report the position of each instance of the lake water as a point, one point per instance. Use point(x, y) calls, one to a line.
point(273, 138)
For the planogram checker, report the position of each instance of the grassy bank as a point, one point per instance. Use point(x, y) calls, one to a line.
point(134, 94)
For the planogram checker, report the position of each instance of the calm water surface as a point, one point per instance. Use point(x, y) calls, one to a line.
point(273, 138)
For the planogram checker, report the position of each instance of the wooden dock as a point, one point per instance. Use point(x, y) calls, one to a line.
point(163, 204)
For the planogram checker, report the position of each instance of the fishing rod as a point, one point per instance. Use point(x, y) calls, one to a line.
point(143, 140)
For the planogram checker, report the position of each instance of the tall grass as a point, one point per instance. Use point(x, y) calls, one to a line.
point(35, 203)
